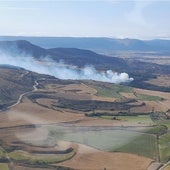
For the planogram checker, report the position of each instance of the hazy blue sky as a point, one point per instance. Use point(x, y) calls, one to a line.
point(133, 19)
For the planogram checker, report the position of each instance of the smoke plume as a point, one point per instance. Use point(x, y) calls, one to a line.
point(63, 71)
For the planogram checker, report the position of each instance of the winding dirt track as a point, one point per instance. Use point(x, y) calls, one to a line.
point(23, 94)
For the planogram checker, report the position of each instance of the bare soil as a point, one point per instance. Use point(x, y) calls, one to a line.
point(88, 158)
point(16, 122)
point(162, 80)
point(162, 105)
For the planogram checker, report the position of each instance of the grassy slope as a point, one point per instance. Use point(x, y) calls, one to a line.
point(2, 155)
point(4, 166)
point(141, 119)
point(112, 91)
point(115, 140)
point(116, 90)
point(144, 145)
point(167, 167)
point(164, 143)
point(21, 156)
point(148, 97)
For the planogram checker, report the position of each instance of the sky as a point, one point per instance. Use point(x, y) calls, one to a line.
point(139, 19)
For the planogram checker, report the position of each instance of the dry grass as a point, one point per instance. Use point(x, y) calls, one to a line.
point(91, 159)
point(27, 113)
point(167, 167)
point(161, 81)
point(17, 167)
point(162, 105)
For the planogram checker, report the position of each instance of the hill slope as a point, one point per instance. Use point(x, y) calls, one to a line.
point(15, 81)
point(22, 47)
point(80, 58)
point(140, 71)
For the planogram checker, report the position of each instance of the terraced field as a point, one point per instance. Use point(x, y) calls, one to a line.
point(60, 123)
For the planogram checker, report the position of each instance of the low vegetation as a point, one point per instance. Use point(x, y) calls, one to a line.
point(164, 147)
point(160, 117)
point(140, 119)
point(144, 145)
point(167, 167)
point(39, 159)
point(148, 97)
point(92, 105)
point(4, 166)
point(164, 122)
point(2, 156)
point(145, 131)
point(112, 90)
point(157, 130)
point(128, 140)
point(116, 91)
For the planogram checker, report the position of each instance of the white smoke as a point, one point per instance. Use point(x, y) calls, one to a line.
point(63, 71)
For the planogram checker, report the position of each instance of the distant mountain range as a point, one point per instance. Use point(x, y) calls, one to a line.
point(79, 57)
point(141, 71)
point(103, 45)
point(70, 56)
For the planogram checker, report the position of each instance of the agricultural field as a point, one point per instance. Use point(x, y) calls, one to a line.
point(2, 154)
point(39, 159)
point(148, 97)
point(145, 145)
point(161, 80)
point(59, 123)
point(140, 119)
point(121, 91)
point(4, 166)
point(108, 139)
point(111, 90)
point(167, 167)
point(164, 143)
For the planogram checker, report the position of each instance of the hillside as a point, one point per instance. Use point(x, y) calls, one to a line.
point(96, 44)
point(58, 121)
point(15, 81)
point(22, 47)
point(80, 57)
point(140, 71)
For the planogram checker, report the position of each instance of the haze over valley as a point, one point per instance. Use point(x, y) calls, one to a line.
point(84, 85)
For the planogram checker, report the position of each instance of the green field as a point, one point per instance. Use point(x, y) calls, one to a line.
point(116, 90)
point(112, 91)
point(165, 123)
point(157, 130)
point(114, 140)
point(2, 155)
point(164, 147)
point(39, 159)
point(148, 97)
point(104, 140)
point(144, 145)
point(4, 166)
point(141, 119)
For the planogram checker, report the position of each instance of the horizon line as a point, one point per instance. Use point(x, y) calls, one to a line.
point(46, 36)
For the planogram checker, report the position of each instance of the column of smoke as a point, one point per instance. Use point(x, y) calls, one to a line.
point(63, 71)
point(59, 70)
